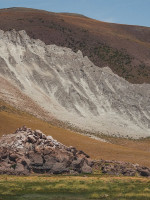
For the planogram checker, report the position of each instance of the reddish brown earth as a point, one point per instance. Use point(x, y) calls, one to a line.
point(119, 149)
point(125, 49)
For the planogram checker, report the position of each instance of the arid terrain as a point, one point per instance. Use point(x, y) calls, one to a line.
point(134, 151)
point(74, 107)
point(118, 54)
point(68, 87)
point(125, 49)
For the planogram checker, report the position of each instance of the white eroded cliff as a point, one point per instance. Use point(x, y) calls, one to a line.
point(72, 88)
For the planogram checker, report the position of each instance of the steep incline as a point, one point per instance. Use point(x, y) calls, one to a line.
point(125, 49)
point(72, 89)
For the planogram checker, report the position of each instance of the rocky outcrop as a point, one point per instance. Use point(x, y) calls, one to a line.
point(121, 168)
point(27, 151)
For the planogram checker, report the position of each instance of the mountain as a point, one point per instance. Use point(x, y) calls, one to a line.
point(68, 87)
point(125, 49)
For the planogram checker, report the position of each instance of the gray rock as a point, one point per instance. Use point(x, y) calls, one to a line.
point(13, 156)
point(144, 172)
point(59, 168)
point(86, 169)
point(121, 168)
point(39, 154)
point(31, 139)
point(35, 158)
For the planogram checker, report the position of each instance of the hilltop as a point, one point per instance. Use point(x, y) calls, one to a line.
point(124, 48)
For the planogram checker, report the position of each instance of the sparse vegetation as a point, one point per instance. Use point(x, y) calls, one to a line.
point(99, 41)
point(117, 59)
point(117, 149)
point(73, 187)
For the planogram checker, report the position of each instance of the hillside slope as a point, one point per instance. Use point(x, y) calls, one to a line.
point(72, 89)
point(125, 150)
point(125, 49)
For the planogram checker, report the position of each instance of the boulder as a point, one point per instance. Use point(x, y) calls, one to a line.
point(47, 150)
point(86, 168)
point(13, 156)
point(144, 172)
point(49, 161)
point(59, 168)
point(35, 158)
point(77, 163)
point(31, 139)
point(19, 167)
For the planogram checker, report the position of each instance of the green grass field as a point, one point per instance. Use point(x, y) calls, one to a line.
point(74, 188)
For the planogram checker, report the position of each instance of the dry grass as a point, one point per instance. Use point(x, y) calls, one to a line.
point(122, 149)
point(81, 33)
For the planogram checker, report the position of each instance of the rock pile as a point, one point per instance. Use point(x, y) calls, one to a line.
point(27, 151)
point(121, 168)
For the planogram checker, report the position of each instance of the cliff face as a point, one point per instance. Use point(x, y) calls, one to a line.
point(72, 89)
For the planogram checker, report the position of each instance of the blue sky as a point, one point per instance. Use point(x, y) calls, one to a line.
point(118, 11)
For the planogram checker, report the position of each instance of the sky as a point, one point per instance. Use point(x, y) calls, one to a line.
point(134, 12)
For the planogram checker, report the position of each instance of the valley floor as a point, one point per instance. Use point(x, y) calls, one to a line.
point(74, 188)
point(93, 186)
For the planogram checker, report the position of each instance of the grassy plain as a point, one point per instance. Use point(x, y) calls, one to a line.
point(74, 188)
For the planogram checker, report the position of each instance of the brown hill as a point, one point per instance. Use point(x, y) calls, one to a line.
point(125, 49)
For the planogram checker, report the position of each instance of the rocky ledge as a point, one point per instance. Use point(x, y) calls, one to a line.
point(27, 151)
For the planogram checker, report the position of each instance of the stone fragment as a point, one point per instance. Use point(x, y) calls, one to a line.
point(31, 139)
point(86, 168)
